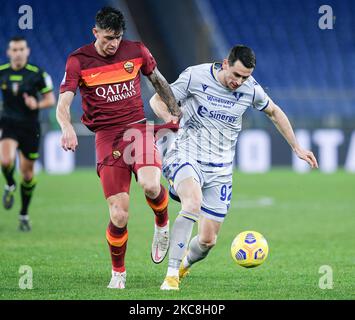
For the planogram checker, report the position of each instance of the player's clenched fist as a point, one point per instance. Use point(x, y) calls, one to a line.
point(69, 140)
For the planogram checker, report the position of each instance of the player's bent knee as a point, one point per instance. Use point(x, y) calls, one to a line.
point(118, 211)
point(192, 207)
point(207, 241)
point(150, 188)
point(118, 216)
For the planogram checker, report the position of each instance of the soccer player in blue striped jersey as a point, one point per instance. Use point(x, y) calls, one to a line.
point(199, 163)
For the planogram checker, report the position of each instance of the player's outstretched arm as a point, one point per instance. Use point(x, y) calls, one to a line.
point(163, 89)
point(281, 122)
point(161, 110)
point(69, 140)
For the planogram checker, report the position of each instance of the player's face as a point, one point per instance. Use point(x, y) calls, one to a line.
point(108, 41)
point(235, 75)
point(18, 52)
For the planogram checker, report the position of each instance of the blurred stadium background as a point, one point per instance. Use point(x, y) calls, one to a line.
point(307, 70)
point(307, 219)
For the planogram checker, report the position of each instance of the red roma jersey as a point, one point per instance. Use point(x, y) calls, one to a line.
point(109, 86)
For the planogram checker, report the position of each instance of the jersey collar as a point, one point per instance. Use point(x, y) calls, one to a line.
point(215, 68)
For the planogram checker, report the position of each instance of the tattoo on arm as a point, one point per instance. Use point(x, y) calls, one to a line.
point(163, 89)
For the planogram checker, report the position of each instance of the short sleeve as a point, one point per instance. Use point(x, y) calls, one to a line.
point(181, 86)
point(149, 62)
point(45, 83)
point(72, 76)
point(261, 99)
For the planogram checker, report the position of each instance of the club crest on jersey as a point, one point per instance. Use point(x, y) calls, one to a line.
point(238, 95)
point(129, 66)
point(116, 154)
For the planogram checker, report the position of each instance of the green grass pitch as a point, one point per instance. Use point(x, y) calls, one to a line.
point(308, 220)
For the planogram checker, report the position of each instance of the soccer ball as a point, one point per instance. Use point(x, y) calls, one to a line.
point(249, 249)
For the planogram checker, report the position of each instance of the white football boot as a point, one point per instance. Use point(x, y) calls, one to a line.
point(160, 243)
point(118, 280)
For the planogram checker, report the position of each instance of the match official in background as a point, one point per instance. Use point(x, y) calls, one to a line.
point(26, 89)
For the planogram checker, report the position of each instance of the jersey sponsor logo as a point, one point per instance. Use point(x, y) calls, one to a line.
point(117, 92)
point(204, 87)
point(129, 66)
point(220, 102)
point(203, 112)
point(112, 73)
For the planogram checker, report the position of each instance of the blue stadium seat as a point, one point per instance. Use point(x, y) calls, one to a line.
point(294, 54)
point(59, 27)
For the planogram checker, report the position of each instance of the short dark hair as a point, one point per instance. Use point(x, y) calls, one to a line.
point(109, 18)
point(244, 54)
point(17, 38)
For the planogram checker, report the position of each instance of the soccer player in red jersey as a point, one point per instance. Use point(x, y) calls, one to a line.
point(107, 72)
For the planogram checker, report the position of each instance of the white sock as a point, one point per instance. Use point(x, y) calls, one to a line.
point(172, 272)
point(180, 237)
